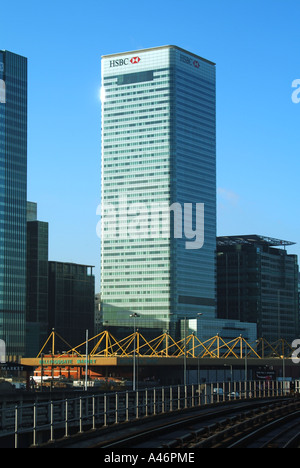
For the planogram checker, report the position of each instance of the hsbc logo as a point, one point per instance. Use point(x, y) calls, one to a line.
point(135, 60)
point(189, 61)
point(125, 61)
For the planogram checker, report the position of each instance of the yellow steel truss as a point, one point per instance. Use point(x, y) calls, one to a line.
point(106, 345)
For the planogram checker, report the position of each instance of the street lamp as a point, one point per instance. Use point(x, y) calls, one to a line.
point(185, 366)
point(231, 371)
point(86, 359)
point(134, 316)
point(246, 362)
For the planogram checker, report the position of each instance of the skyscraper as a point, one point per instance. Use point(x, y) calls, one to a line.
point(13, 198)
point(37, 281)
point(257, 281)
point(158, 159)
point(71, 300)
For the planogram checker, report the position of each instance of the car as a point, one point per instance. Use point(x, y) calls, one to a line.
point(233, 395)
point(218, 391)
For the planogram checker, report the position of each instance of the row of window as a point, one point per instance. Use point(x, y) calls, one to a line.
point(135, 126)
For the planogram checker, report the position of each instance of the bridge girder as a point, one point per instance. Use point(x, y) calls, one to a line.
point(105, 345)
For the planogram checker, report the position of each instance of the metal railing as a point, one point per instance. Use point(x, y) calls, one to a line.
point(54, 419)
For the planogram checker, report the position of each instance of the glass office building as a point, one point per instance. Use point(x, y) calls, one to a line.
point(257, 281)
point(158, 237)
point(37, 282)
point(71, 300)
point(13, 195)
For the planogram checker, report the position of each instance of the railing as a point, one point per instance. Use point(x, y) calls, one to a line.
point(48, 421)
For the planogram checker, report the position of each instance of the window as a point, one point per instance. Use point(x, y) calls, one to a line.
point(135, 77)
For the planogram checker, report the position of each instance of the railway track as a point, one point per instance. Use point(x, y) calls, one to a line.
point(230, 426)
point(276, 426)
point(283, 432)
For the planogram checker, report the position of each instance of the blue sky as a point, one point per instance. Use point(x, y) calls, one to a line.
point(255, 45)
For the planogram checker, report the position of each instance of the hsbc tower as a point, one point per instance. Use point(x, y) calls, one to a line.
point(158, 147)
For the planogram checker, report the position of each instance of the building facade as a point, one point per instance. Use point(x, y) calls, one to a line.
point(13, 199)
point(158, 237)
point(71, 295)
point(98, 314)
point(37, 282)
point(257, 282)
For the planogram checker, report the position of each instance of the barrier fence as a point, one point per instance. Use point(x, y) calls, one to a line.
point(47, 421)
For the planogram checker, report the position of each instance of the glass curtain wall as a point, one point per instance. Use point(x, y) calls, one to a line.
point(13, 195)
point(158, 151)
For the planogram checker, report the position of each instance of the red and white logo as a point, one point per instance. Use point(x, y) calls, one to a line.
point(135, 60)
point(120, 62)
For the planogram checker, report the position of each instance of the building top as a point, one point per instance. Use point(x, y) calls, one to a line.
point(31, 211)
point(55, 262)
point(252, 239)
point(159, 48)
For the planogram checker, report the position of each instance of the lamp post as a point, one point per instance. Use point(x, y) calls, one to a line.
point(185, 360)
point(231, 371)
point(134, 316)
point(42, 370)
point(86, 359)
point(184, 356)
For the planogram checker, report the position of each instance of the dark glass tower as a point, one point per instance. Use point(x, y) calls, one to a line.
point(258, 283)
point(37, 282)
point(71, 300)
point(13, 198)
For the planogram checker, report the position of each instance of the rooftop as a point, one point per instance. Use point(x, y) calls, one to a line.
point(253, 239)
point(158, 48)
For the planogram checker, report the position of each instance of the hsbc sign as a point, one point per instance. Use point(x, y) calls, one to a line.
point(135, 60)
point(189, 61)
point(125, 61)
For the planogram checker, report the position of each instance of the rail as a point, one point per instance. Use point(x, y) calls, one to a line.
point(49, 421)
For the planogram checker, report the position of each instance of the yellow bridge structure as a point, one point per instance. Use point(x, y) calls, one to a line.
point(105, 350)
